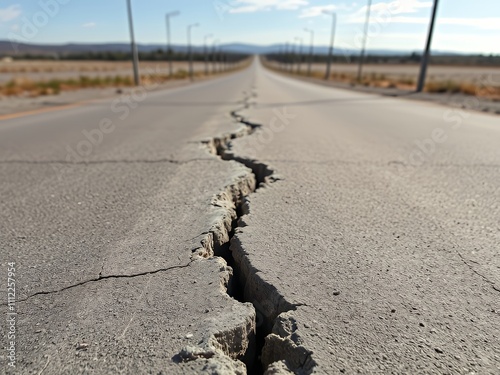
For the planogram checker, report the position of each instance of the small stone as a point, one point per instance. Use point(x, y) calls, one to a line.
point(189, 335)
point(82, 346)
point(438, 350)
point(422, 325)
point(336, 293)
point(207, 311)
point(393, 311)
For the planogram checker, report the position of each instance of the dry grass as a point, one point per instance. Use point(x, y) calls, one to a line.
point(39, 66)
point(27, 87)
point(466, 88)
point(33, 88)
point(405, 83)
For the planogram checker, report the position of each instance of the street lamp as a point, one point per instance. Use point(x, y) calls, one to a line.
point(425, 56)
point(169, 45)
point(205, 51)
point(190, 49)
point(300, 40)
point(135, 54)
point(332, 41)
point(365, 36)
point(311, 49)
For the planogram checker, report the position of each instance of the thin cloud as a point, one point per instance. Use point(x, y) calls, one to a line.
point(389, 9)
point(317, 11)
point(252, 6)
point(10, 13)
point(485, 23)
point(89, 25)
point(398, 6)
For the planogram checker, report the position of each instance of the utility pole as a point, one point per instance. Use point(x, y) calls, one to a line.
point(425, 56)
point(311, 51)
point(205, 52)
point(190, 49)
point(135, 54)
point(332, 41)
point(365, 37)
point(169, 45)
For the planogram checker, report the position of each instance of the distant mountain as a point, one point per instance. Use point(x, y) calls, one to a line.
point(9, 48)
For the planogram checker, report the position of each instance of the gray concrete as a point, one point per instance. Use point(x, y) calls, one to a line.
point(370, 245)
point(104, 234)
point(380, 258)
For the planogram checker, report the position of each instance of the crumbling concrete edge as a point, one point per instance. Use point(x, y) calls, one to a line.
point(282, 350)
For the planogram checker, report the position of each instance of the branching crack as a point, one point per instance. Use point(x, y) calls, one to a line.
point(246, 284)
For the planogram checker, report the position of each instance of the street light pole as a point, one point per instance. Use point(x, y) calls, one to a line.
point(169, 45)
point(205, 52)
point(365, 37)
point(300, 40)
point(311, 50)
point(190, 49)
point(425, 56)
point(332, 41)
point(135, 53)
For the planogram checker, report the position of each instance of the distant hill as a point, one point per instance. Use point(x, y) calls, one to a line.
point(9, 49)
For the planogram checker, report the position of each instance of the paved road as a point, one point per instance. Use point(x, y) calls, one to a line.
point(379, 243)
point(102, 207)
point(371, 245)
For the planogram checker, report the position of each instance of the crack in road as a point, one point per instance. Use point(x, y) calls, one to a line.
point(485, 279)
point(219, 241)
point(101, 278)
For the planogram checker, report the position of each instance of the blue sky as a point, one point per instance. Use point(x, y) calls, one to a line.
point(463, 25)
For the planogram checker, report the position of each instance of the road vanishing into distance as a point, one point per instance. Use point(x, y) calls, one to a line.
point(252, 223)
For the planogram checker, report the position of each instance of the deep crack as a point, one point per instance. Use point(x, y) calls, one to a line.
point(246, 284)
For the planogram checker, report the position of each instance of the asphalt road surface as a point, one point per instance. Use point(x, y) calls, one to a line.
point(369, 246)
